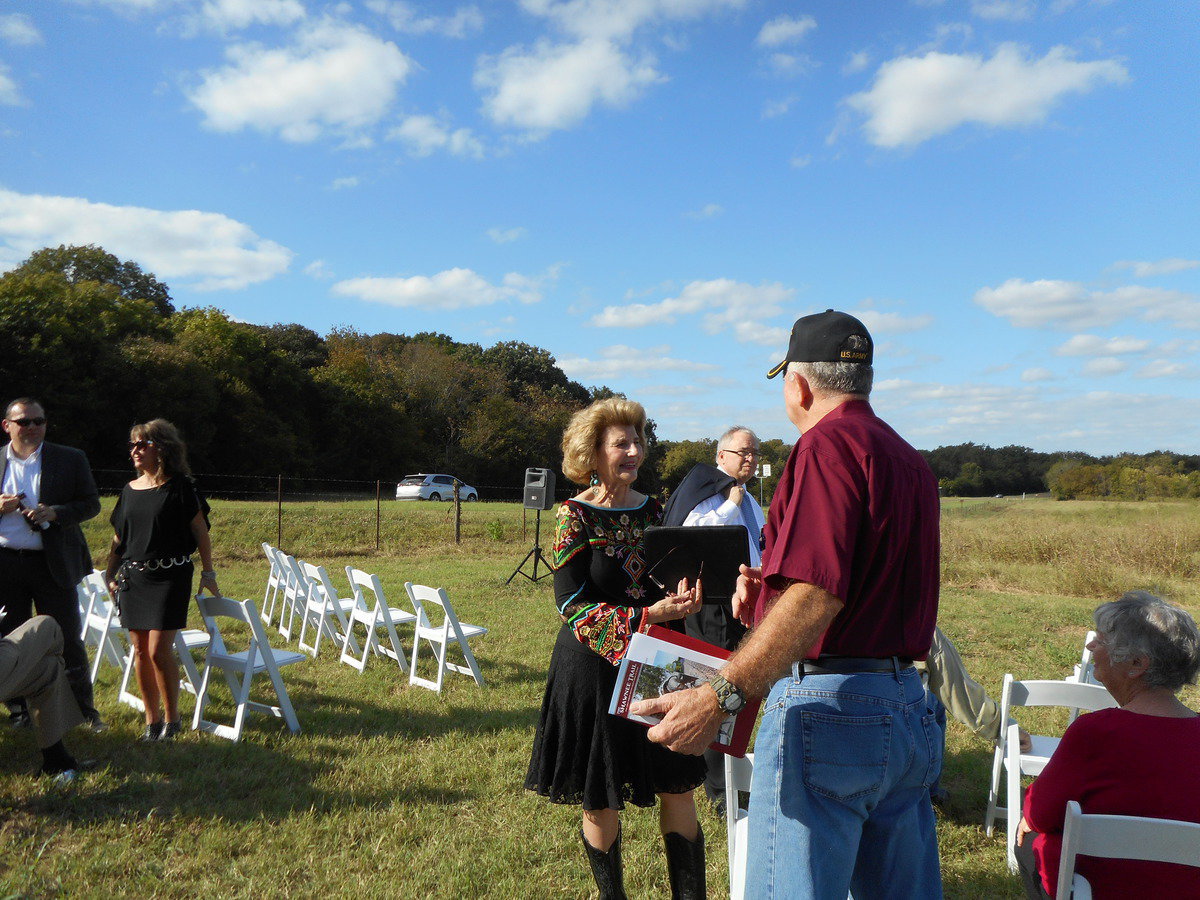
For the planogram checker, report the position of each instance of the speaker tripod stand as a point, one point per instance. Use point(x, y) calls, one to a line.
point(535, 554)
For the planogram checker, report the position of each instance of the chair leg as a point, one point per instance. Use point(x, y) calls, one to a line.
point(685, 865)
point(606, 868)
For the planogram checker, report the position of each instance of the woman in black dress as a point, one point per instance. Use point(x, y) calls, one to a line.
point(581, 754)
point(160, 521)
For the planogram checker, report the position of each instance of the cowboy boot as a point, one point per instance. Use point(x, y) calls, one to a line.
point(685, 865)
point(606, 868)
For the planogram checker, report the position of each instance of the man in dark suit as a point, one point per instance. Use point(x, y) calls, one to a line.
point(46, 490)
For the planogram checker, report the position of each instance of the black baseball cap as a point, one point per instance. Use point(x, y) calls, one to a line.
point(830, 336)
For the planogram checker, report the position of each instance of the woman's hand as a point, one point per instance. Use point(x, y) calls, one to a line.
point(682, 603)
point(1022, 830)
point(208, 579)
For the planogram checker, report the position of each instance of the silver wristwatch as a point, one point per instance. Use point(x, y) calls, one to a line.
point(729, 696)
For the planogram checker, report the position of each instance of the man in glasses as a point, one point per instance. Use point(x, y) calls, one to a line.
point(717, 495)
point(46, 491)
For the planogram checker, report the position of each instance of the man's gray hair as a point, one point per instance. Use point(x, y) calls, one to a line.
point(724, 440)
point(835, 377)
point(1141, 624)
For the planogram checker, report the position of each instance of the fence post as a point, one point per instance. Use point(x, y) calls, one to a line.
point(279, 512)
point(457, 515)
point(377, 515)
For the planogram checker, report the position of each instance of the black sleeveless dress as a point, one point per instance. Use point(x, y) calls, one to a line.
point(581, 754)
point(152, 526)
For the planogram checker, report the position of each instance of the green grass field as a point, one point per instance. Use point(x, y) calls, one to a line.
point(394, 791)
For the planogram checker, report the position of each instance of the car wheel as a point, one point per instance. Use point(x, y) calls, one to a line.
point(435, 496)
point(471, 498)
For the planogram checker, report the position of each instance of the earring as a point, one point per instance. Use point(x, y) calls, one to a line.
point(595, 481)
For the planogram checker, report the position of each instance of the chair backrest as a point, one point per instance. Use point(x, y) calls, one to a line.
point(1069, 694)
point(244, 611)
point(1086, 663)
point(360, 582)
point(1124, 837)
point(319, 585)
point(422, 595)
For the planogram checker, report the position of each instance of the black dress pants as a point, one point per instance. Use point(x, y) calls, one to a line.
point(26, 584)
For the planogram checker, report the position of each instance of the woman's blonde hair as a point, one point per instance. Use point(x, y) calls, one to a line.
point(582, 437)
point(172, 451)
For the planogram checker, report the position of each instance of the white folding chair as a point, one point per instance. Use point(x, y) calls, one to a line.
point(738, 775)
point(374, 616)
point(1084, 671)
point(239, 668)
point(1122, 837)
point(441, 636)
point(295, 593)
point(1008, 755)
point(101, 625)
point(275, 578)
point(186, 640)
point(324, 610)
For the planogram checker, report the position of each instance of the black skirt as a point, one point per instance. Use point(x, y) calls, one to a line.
point(584, 756)
point(155, 600)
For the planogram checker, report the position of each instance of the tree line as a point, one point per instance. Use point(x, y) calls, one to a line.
point(101, 343)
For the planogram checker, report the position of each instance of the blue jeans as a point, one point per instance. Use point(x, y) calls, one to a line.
point(840, 798)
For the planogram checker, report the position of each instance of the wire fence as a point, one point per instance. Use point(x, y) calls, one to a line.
point(283, 489)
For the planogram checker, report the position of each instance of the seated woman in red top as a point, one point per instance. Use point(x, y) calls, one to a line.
point(1142, 759)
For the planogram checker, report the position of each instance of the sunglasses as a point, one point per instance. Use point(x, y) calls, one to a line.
point(25, 423)
point(140, 445)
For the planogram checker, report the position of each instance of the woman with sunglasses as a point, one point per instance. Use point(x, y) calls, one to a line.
point(160, 520)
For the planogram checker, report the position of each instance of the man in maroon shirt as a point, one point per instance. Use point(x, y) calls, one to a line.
point(846, 598)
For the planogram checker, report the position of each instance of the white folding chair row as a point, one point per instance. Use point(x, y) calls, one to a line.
point(240, 667)
point(449, 631)
point(373, 614)
point(1008, 755)
point(738, 775)
point(1121, 837)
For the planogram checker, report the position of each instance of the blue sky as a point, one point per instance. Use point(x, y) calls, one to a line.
point(653, 190)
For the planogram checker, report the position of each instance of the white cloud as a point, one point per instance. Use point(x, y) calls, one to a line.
point(789, 65)
point(423, 135)
point(10, 95)
point(1104, 366)
point(1163, 368)
point(505, 235)
point(452, 289)
point(800, 162)
point(621, 361)
point(1069, 304)
point(619, 19)
point(879, 322)
point(318, 269)
point(1036, 374)
point(774, 108)
point(1003, 10)
point(785, 30)
point(916, 98)
point(1161, 267)
point(555, 86)
point(724, 304)
point(18, 29)
point(1091, 345)
point(230, 15)
point(708, 211)
point(856, 62)
point(335, 77)
point(464, 22)
point(205, 250)
point(347, 181)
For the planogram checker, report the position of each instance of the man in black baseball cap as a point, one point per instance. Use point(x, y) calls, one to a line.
point(830, 336)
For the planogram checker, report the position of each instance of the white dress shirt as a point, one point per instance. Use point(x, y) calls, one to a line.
point(21, 475)
point(716, 510)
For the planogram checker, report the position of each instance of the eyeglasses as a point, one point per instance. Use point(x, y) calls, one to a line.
point(140, 445)
point(744, 454)
point(25, 423)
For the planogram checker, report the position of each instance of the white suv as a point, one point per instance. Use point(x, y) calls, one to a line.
point(433, 487)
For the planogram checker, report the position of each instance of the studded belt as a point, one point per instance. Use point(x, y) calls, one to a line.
point(151, 565)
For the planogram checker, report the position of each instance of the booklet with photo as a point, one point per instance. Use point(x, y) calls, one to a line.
point(661, 661)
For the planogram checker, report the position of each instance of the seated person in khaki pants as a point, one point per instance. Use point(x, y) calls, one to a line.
point(31, 666)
